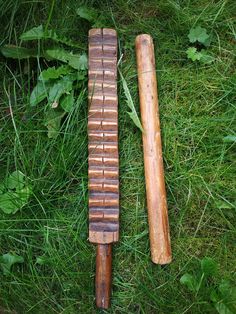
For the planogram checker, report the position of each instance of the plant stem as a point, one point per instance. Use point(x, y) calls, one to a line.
point(50, 15)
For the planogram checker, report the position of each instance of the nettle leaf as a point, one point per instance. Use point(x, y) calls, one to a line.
point(53, 73)
point(8, 260)
point(39, 93)
point(53, 122)
point(87, 13)
point(189, 281)
point(16, 180)
point(208, 266)
point(199, 34)
point(15, 52)
point(67, 102)
point(133, 114)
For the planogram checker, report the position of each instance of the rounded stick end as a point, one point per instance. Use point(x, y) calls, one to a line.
point(161, 260)
point(143, 39)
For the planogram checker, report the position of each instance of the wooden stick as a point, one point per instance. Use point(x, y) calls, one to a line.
point(152, 149)
point(103, 275)
point(103, 155)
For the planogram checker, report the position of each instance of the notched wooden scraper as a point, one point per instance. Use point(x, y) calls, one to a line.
point(103, 155)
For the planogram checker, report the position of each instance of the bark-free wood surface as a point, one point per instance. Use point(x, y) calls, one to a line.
point(103, 137)
point(152, 149)
point(103, 275)
point(103, 155)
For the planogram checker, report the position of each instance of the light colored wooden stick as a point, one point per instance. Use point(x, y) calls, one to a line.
point(152, 148)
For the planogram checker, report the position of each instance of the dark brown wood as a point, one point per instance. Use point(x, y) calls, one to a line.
point(103, 275)
point(103, 137)
point(103, 155)
point(152, 148)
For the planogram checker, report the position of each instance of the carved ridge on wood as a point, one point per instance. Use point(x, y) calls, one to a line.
point(103, 137)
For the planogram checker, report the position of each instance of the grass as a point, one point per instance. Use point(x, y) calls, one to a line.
point(197, 111)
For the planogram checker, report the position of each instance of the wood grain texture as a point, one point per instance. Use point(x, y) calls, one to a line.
point(152, 148)
point(103, 275)
point(103, 137)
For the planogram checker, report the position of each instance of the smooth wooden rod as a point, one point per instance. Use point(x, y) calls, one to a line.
point(152, 149)
point(103, 275)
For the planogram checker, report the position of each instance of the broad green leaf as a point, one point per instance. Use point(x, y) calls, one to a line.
point(133, 114)
point(39, 93)
point(193, 54)
point(214, 296)
point(222, 308)
point(230, 138)
point(58, 54)
point(67, 102)
point(24, 195)
point(228, 291)
point(2, 188)
point(15, 52)
point(9, 203)
point(224, 298)
point(208, 266)
point(206, 58)
point(51, 34)
point(189, 281)
point(33, 34)
point(52, 73)
point(79, 62)
point(61, 87)
point(15, 194)
point(81, 76)
point(199, 34)
point(16, 180)
point(87, 13)
point(53, 122)
point(8, 260)
point(38, 33)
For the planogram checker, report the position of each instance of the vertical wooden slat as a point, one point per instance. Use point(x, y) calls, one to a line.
point(103, 137)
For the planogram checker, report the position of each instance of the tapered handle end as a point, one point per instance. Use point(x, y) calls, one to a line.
point(103, 275)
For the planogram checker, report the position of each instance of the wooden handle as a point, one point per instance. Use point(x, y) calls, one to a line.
point(103, 155)
point(153, 162)
point(103, 275)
